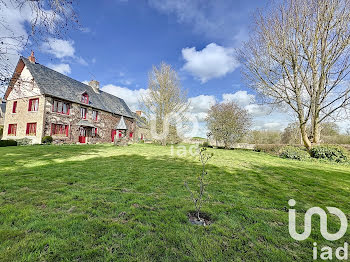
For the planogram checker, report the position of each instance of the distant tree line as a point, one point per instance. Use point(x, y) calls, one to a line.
point(329, 134)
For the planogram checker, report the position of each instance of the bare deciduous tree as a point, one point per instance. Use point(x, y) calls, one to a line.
point(43, 19)
point(298, 55)
point(228, 122)
point(164, 101)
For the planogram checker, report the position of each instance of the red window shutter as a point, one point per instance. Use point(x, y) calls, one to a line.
point(67, 128)
point(9, 129)
point(68, 109)
point(14, 108)
point(27, 130)
point(30, 105)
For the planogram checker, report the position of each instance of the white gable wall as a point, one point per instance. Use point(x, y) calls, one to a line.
point(24, 89)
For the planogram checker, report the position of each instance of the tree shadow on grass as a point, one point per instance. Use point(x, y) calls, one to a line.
point(20, 156)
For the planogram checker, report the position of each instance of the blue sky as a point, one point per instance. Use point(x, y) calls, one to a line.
point(120, 40)
point(123, 39)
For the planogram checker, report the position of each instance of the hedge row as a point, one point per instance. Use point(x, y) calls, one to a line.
point(4, 143)
point(329, 152)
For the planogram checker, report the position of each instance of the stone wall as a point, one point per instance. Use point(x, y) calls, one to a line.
point(105, 123)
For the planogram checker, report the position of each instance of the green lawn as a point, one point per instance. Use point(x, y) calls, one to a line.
point(106, 203)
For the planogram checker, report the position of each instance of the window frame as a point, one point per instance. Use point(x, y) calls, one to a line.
point(85, 98)
point(94, 132)
point(81, 116)
point(30, 105)
point(55, 107)
point(12, 127)
point(61, 130)
point(96, 115)
point(29, 127)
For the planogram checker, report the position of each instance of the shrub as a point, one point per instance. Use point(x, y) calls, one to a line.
point(292, 152)
point(205, 144)
point(4, 143)
point(332, 153)
point(271, 149)
point(47, 140)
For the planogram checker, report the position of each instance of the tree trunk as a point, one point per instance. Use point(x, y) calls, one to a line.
point(316, 131)
point(305, 137)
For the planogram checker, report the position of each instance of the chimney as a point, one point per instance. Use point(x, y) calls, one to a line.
point(95, 86)
point(32, 57)
point(138, 112)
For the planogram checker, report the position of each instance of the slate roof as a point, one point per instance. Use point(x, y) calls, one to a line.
point(55, 84)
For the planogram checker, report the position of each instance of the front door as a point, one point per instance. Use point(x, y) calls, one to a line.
point(82, 135)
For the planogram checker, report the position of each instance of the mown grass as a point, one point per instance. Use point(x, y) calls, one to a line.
point(106, 203)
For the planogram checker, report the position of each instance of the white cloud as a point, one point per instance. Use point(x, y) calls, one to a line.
point(62, 68)
point(242, 98)
point(213, 61)
point(201, 103)
point(59, 48)
point(131, 97)
point(257, 110)
point(248, 101)
point(199, 106)
point(63, 50)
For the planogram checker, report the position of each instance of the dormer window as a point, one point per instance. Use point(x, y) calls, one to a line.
point(85, 98)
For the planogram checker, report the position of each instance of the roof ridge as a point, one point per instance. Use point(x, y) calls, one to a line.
point(36, 63)
point(56, 84)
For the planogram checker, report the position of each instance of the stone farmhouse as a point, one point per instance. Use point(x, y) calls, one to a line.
point(42, 102)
